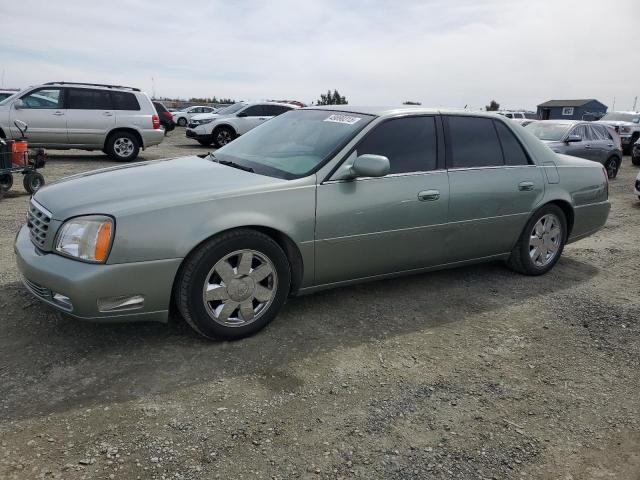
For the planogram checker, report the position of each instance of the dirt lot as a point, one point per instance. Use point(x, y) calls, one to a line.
point(469, 373)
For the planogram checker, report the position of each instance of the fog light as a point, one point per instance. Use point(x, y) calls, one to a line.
point(122, 302)
point(62, 301)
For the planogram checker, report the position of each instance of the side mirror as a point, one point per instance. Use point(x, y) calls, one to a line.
point(242, 114)
point(18, 104)
point(573, 139)
point(370, 166)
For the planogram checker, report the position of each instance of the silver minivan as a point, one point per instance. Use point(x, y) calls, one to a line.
point(61, 115)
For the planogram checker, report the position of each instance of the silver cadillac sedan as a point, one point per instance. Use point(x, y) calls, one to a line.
point(313, 199)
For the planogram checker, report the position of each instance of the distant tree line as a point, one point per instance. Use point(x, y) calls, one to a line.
point(409, 102)
point(332, 99)
point(493, 106)
point(213, 99)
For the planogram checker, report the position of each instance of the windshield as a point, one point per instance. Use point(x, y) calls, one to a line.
point(295, 143)
point(231, 109)
point(622, 117)
point(548, 131)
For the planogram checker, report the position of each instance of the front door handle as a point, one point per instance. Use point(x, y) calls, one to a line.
point(525, 186)
point(58, 114)
point(428, 195)
point(108, 114)
point(587, 146)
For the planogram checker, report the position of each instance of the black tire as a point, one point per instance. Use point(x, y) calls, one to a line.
point(6, 182)
point(520, 259)
point(636, 160)
point(612, 165)
point(223, 135)
point(123, 146)
point(32, 182)
point(1, 194)
point(205, 143)
point(198, 270)
point(182, 122)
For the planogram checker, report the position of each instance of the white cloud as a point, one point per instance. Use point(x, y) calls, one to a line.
point(442, 53)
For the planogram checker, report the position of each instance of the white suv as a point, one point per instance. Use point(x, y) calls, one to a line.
point(182, 117)
point(233, 121)
point(62, 115)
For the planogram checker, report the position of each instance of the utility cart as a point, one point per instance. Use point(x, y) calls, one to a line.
point(15, 158)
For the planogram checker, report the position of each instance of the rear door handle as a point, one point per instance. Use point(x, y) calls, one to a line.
point(428, 195)
point(525, 186)
point(108, 114)
point(58, 114)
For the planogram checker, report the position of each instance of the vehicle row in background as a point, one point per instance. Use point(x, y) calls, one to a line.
point(182, 117)
point(627, 124)
point(62, 115)
point(235, 120)
point(589, 140)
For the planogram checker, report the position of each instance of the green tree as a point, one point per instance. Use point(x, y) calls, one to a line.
point(493, 106)
point(332, 98)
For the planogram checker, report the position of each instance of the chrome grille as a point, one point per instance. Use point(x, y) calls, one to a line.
point(38, 220)
point(38, 290)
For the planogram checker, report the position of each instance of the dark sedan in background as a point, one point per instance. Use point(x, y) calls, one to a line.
point(581, 139)
point(166, 117)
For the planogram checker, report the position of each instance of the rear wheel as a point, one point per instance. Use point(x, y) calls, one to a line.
point(635, 160)
point(6, 182)
point(182, 122)
point(233, 285)
point(612, 166)
point(541, 242)
point(123, 146)
point(222, 136)
point(32, 182)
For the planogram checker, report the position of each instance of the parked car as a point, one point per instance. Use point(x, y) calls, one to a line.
point(627, 124)
point(313, 199)
point(234, 121)
point(525, 121)
point(580, 139)
point(635, 153)
point(166, 117)
point(637, 186)
point(518, 115)
point(183, 116)
point(61, 115)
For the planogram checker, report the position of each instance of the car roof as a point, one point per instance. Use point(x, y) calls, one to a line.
point(563, 122)
point(90, 85)
point(404, 109)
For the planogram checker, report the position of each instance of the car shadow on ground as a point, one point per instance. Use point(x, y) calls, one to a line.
point(53, 363)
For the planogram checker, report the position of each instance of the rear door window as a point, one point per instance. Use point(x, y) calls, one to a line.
point(513, 152)
point(124, 101)
point(87, 99)
point(254, 111)
point(274, 110)
point(474, 142)
point(410, 144)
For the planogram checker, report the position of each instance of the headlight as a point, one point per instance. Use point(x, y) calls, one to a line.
point(202, 122)
point(86, 238)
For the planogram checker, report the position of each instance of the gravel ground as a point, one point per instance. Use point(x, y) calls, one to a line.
point(472, 373)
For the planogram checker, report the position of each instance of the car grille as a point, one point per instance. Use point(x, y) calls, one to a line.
point(38, 290)
point(38, 220)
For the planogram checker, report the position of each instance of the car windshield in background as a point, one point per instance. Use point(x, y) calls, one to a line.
point(292, 145)
point(548, 131)
point(231, 109)
point(5, 100)
point(622, 117)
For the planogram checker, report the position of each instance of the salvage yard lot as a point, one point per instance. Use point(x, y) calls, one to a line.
point(476, 372)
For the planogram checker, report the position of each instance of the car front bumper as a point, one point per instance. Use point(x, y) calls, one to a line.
point(83, 284)
point(192, 133)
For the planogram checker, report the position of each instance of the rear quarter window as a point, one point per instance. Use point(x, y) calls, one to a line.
point(124, 101)
point(474, 142)
point(513, 152)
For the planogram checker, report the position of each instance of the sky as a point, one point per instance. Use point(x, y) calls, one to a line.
point(443, 53)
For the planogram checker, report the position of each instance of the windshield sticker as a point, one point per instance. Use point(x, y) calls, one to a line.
point(348, 119)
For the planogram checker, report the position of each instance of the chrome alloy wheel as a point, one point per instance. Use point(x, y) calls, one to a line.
point(545, 240)
point(123, 147)
point(223, 137)
point(239, 288)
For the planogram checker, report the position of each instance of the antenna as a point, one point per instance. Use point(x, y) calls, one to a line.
point(153, 88)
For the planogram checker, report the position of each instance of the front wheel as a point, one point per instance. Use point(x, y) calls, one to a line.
point(612, 166)
point(222, 136)
point(32, 182)
point(123, 146)
point(182, 122)
point(636, 160)
point(541, 242)
point(233, 285)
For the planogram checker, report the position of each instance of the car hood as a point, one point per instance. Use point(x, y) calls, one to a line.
point(147, 186)
point(206, 116)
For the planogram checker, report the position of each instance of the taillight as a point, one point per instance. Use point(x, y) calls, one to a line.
point(156, 121)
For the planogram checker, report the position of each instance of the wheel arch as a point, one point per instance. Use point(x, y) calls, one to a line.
point(566, 208)
point(285, 242)
point(227, 125)
point(124, 129)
